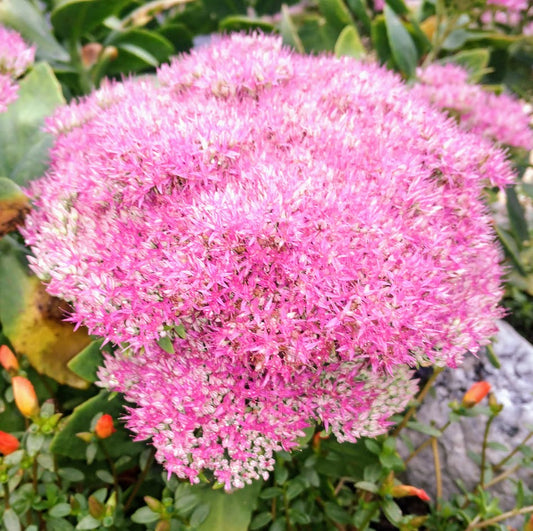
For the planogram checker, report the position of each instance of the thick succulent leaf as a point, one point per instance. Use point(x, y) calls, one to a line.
point(23, 144)
point(13, 206)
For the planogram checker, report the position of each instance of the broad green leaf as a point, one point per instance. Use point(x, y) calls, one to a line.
point(66, 443)
point(199, 515)
point(59, 510)
point(23, 145)
point(33, 320)
point(224, 8)
point(86, 363)
point(399, 6)
point(261, 520)
point(336, 513)
point(401, 44)
point(360, 10)
point(230, 512)
point(178, 35)
point(14, 205)
point(391, 511)
point(73, 18)
point(243, 23)
point(166, 344)
point(336, 14)
point(138, 49)
point(380, 40)
point(144, 515)
point(511, 249)
point(316, 36)
point(349, 43)
point(11, 520)
point(24, 17)
point(288, 31)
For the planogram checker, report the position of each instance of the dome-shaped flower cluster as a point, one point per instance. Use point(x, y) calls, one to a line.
point(15, 58)
point(272, 239)
point(498, 117)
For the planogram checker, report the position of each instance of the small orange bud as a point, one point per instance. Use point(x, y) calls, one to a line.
point(25, 396)
point(104, 427)
point(8, 360)
point(401, 491)
point(476, 394)
point(8, 443)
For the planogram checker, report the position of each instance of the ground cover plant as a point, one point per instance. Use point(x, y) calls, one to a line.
point(256, 247)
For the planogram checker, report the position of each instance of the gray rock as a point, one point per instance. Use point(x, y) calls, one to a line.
point(511, 384)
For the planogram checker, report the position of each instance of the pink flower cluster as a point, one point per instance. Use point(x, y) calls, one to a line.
point(498, 117)
point(15, 58)
point(296, 232)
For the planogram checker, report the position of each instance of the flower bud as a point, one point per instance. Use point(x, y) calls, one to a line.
point(476, 394)
point(25, 396)
point(104, 427)
point(8, 443)
point(401, 491)
point(8, 360)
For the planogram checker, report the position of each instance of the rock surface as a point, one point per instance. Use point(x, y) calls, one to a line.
point(511, 384)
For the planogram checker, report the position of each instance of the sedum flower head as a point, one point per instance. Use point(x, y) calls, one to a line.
point(273, 239)
point(498, 117)
point(15, 58)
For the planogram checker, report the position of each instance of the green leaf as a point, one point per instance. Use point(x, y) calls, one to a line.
point(230, 512)
point(349, 43)
point(66, 443)
point(401, 44)
point(24, 17)
point(399, 6)
point(391, 511)
point(288, 31)
point(14, 205)
point(178, 35)
point(243, 23)
point(493, 445)
point(366, 485)
point(224, 8)
point(71, 474)
point(336, 14)
point(424, 428)
point(11, 520)
point(511, 249)
point(73, 18)
point(270, 492)
point(294, 489)
point(316, 36)
point(475, 61)
point(199, 515)
point(138, 49)
point(144, 515)
point(360, 9)
point(105, 476)
point(261, 520)
point(516, 216)
point(336, 513)
point(380, 40)
point(185, 504)
point(166, 344)
point(86, 363)
point(88, 522)
point(24, 146)
point(492, 357)
point(59, 510)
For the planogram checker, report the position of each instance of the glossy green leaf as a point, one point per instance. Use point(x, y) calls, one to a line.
point(178, 35)
point(24, 146)
point(349, 43)
point(475, 61)
point(288, 31)
point(380, 40)
point(230, 512)
point(399, 6)
point(138, 49)
point(243, 23)
point(144, 515)
point(316, 36)
point(401, 44)
point(516, 216)
point(336, 14)
point(391, 511)
point(86, 363)
point(261, 520)
point(360, 10)
point(23, 16)
point(74, 18)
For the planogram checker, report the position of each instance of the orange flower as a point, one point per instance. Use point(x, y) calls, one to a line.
point(104, 427)
point(8, 443)
point(7, 359)
point(25, 396)
point(401, 491)
point(476, 394)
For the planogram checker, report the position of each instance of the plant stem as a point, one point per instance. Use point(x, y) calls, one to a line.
point(412, 410)
point(438, 477)
point(484, 451)
point(6, 496)
point(514, 452)
point(140, 481)
point(500, 517)
point(502, 476)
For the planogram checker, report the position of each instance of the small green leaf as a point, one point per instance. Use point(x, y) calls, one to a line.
point(360, 9)
point(199, 515)
point(60, 510)
point(492, 357)
point(11, 520)
point(166, 344)
point(144, 515)
point(260, 520)
point(401, 44)
point(180, 330)
point(243, 23)
point(380, 40)
point(391, 511)
point(424, 428)
point(86, 363)
point(185, 504)
point(366, 485)
point(294, 489)
point(336, 513)
point(71, 474)
point(493, 445)
point(270, 492)
point(349, 43)
point(475, 61)
point(336, 14)
point(105, 476)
